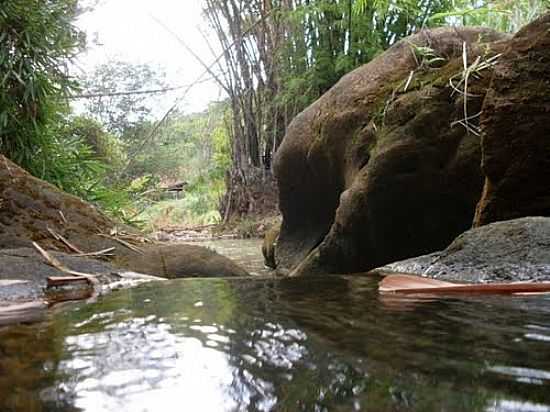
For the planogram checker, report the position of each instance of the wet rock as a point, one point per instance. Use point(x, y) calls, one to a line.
point(180, 261)
point(508, 251)
point(516, 129)
point(24, 273)
point(371, 173)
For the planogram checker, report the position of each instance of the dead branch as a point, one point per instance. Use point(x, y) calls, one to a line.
point(61, 239)
point(52, 261)
point(124, 243)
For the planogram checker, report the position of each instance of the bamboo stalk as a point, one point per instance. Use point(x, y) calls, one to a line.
point(104, 252)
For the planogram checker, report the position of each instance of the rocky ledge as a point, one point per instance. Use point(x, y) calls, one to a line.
point(508, 251)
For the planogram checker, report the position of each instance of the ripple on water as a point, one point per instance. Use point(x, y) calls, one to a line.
point(308, 344)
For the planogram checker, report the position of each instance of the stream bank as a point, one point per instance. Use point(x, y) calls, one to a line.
point(49, 237)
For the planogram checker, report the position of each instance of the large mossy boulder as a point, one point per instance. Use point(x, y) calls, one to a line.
point(375, 171)
point(513, 250)
point(393, 162)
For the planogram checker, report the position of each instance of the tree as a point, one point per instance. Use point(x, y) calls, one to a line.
point(114, 98)
point(104, 146)
point(38, 39)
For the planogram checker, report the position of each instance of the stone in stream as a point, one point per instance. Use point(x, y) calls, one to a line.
point(179, 261)
point(508, 251)
point(24, 273)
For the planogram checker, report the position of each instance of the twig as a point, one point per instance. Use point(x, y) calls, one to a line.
point(104, 252)
point(7, 166)
point(62, 217)
point(470, 70)
point(25, 312)
point(408, 81)
point(53, 281)
point(69, 295)
point(60, 238)
point(124, 243)
point(130, 92)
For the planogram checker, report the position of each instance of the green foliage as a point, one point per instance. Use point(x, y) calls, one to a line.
point(192, 148)
point(501, 15)
point(329, 38)
point(145, 158)
point(105, 146)
point(37, 39)
point(82, 158)
point(72, 164)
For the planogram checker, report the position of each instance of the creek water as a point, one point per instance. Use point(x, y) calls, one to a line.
point(261, 344)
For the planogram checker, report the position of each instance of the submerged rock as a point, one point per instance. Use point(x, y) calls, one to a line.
point(180, 261)
point(269, 245)
point(509, 251)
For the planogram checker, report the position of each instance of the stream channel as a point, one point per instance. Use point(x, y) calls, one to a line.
point(259, 344)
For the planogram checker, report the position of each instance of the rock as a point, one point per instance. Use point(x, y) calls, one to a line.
point(30, 206)
point(31, 209)
point(516, 129)
point(179, 261)
point(509, 251)
point(23, 273)
point(269, 245)
point(370, 173)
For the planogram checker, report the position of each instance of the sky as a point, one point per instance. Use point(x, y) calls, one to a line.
point(129, 30)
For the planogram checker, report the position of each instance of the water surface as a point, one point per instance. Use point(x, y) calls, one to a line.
point(245, 252)
point(287, 345)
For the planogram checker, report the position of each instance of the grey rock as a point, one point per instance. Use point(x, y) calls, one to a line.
point(24, 273)
point(508, 251)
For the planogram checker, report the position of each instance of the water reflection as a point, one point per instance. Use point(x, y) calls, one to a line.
point(261, 345)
